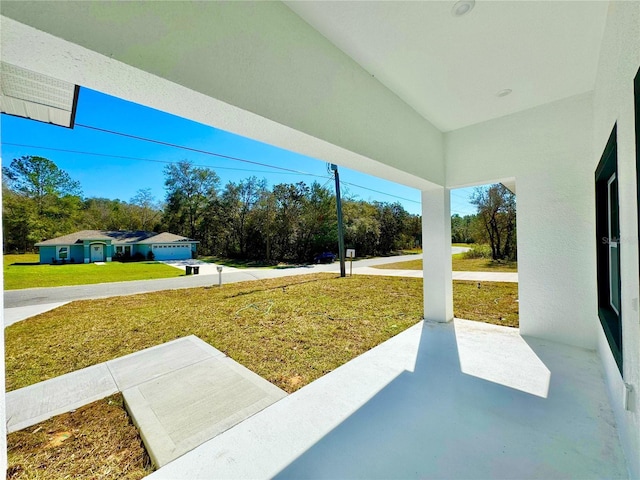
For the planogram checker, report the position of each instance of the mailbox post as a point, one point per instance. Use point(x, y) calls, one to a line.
point(351, 252)
point(219, 268)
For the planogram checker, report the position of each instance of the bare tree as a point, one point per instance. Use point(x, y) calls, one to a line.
point(497, 217)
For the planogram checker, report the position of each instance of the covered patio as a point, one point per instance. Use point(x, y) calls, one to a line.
point(456, 400)
point(434, 95)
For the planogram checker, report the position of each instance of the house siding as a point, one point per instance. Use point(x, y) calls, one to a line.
point(77, 253)
point(143, 249)
point(47, 254)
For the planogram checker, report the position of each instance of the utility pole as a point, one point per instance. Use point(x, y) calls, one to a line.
point(343, 272)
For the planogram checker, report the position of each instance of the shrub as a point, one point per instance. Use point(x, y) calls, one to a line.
point(138, 257)
point(478, 251)
point(150, 256)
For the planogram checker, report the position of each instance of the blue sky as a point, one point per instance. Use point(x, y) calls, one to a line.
point(106, 175)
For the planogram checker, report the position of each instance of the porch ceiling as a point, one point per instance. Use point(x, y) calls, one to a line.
point(450, 69)
point(298, 74)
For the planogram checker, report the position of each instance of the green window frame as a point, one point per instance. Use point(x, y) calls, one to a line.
point(608, 247)
point(636, 90)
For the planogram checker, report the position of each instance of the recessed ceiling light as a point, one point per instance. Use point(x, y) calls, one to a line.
point(504, 93)
point(462, 7)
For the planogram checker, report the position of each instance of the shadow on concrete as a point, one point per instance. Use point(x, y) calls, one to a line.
point(439, 422)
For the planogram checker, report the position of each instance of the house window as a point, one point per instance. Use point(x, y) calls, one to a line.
point(63, 253)
point(608, 247)
point(118, 249)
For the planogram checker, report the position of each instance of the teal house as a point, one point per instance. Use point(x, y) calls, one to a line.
point(89, 246)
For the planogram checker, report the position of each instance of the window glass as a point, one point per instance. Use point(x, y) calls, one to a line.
point(614, 243)
point(608, 248)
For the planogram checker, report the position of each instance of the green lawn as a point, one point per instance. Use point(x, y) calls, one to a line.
point(459, 264)
point(23, 271)
point(289, 330)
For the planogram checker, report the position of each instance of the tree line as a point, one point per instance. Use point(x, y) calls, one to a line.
point(289, 222)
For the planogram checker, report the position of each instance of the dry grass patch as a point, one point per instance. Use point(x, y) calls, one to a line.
point(95, 441)
point(493, 302)
point(290, 331)
point(458, 264)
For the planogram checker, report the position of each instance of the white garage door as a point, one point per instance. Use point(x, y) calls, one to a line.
point(172, 252)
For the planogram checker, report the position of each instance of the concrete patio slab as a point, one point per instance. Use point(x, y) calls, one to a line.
point(140, 367)
point(17, 314)
point(33, 404)
point(456, 400)
point(181, 410)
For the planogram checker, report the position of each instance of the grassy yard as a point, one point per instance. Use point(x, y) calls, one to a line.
point(94, 441)
point(290, 330)
point(23, 271)
point(459, 264)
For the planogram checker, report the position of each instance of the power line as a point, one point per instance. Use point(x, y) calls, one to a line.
point(382, 193)
point(80, 152)
point(196, 150)
point(206, 152)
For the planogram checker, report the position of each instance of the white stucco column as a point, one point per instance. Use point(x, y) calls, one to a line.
point(436, 245)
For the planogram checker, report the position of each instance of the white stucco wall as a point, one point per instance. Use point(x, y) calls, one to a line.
point(614, 104)
point(214, 62)
point(546, 149)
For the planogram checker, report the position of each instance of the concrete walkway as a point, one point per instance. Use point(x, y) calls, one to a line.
point(457, 400)
point(511, 277)
point(179, 394)
point(17, 314)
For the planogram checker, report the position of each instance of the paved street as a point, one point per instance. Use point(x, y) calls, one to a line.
point(16, 299)
point(37, 296)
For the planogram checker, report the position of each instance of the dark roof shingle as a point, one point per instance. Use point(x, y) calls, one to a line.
point(117, 237)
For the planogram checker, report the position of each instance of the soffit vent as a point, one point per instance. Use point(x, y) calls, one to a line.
point(28, 94)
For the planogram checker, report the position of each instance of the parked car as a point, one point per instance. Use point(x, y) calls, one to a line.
point(325, 257)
